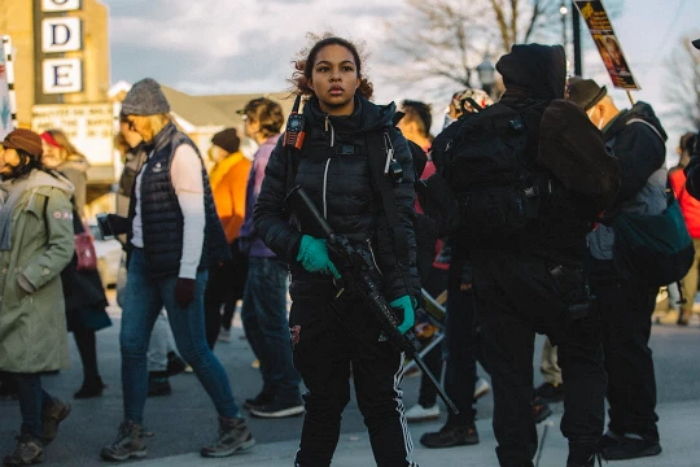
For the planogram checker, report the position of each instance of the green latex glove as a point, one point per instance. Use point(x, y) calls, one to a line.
point(409, 315)
point(313, 256)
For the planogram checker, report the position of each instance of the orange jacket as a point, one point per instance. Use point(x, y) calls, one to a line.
point(228, 184)
point(690, 207)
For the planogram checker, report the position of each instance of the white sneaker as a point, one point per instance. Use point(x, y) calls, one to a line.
point(418, 413)
point(224, 335)
point(481, 388)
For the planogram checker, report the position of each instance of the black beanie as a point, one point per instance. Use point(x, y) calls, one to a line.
point(585, 92)
point(227, 139)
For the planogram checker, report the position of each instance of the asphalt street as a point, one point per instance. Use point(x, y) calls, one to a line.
point(186, 420)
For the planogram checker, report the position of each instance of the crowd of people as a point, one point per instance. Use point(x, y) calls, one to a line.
point(514, 220)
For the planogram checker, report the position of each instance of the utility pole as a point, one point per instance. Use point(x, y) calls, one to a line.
point(578, 59)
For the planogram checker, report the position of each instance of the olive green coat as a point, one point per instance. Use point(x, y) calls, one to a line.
point(33, 336)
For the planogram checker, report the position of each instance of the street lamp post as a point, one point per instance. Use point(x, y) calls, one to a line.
point(487, 75)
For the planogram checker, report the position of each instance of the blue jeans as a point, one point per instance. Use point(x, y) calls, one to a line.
point(32, 400)
point(144, 298)
point(264, 316)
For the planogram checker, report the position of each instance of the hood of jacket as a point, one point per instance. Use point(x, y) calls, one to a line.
point(367, 116)
point(75, 162)
point(640, 110)
point(36, 178)
point(534, 71)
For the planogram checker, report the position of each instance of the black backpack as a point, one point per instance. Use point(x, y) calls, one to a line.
point(485, 188)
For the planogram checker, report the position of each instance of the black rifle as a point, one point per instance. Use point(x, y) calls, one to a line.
point(357, 272)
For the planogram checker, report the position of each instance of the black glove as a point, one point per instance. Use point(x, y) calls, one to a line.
point(118, 225)
point(184, 291)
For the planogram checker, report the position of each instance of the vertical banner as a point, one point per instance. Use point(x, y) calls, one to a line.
point(600, 27)
point(8, 102)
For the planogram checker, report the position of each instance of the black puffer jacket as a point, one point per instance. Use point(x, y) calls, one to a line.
point(333, 168)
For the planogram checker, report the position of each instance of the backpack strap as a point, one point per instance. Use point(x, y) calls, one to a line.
point(652, 127)
point(381, 155)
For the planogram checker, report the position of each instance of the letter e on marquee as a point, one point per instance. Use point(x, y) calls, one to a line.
point(61, 34)
point(62, 75)
point(59, 5)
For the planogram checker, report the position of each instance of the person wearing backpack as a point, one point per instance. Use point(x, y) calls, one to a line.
point(690, 207)
point(624, 297)
point(524, 226)
point(334, 334)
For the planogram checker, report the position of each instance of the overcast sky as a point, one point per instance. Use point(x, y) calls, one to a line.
point(222, 46)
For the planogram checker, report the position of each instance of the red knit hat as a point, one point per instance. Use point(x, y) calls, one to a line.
point(26, 140)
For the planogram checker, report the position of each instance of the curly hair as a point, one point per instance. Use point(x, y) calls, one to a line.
point(303, 66)
point(267, 113)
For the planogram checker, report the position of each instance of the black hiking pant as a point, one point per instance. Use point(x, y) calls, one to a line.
point(518, 295)
point(626, 305)
point(326, 361)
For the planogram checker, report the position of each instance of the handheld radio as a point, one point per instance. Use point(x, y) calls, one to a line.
point(294, 134)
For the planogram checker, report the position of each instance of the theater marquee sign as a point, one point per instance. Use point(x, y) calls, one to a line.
point(61, 33)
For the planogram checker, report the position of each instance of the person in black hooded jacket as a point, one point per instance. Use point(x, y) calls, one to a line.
point(625, 298)
point(532, 283)
point(333, 331)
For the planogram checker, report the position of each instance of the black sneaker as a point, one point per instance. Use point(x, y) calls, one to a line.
point(129, 444)
point(158, 384)
point(8, 387)
point(540, 410)
point(451, 435)
point(176, 365)
point(628, 447)
point(550, 393)
point(53, 414)
point(90, 389)
point(29, 450)
point(276, 409)
point(234, 436)
point(264, 398)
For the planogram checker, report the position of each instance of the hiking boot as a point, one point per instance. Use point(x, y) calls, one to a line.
point(54, 413)
point(418, 413)
point(278, 409)
point(584, 454)
point(629, 446)
point(90, 389)
point(129, 443)
point(451, 435)
point(264, 398)
point(158, 384)
point(540, 410)
point(29, 450)
point(234, 437)
point(548, 392)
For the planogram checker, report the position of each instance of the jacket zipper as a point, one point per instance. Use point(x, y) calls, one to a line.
point(325, 188)
point(328, 127)
point(374, 258)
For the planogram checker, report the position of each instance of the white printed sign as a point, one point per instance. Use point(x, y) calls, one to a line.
point(88, 126)
point(63, 75)
point(61, 34)
point(60, 5)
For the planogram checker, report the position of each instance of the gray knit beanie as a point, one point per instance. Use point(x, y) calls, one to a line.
point(145, 98)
